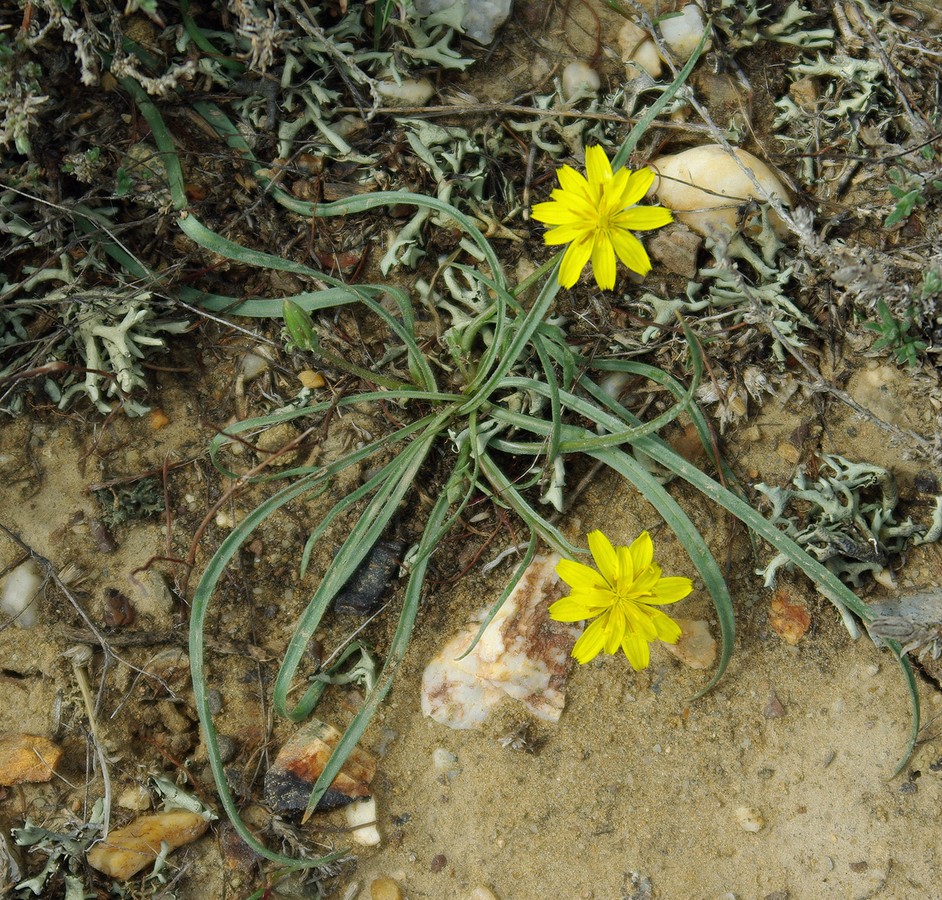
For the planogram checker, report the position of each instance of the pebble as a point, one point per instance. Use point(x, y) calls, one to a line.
point(774, 709)
point(128, 850)
point(696, 647)
point(20, 599)
point(408, 92)
point(580, 80)
point(750, 819)
point(27, 758)
point(480, 20)
point(301, 760)
point(385, 888)
point(638, 51)
point(311, 379)
point(438, 863)
point(361, 819)
point(480, 892)
point(253, 365)
point(677, 249)
point(363, 594)
point(683, 32)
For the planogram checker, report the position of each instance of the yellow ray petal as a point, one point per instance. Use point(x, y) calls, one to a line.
point(615, 627)
point(597, 166)
point(638, 621)
point(630, 251)
point(636, 186)
point(642, 552)
point(626, 566)
point(571, 610)
point(669, 590)
point(579, 576)
point(637, 651)
point(590, 644)
point(574, 260)
point(605, 557)
point(573, 182)
point(644, 218)
point(603, 262)
point(564, 234)
point(552, 213)
point(667, 629)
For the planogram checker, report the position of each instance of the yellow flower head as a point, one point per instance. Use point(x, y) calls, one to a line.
point(621, 597)
point(596, 218)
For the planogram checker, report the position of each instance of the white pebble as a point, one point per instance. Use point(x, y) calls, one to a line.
point(253, 364)
point(20, 601)
point(750, 819)
point(682, 32)
point(361, 818)
point(483, 893)
point(408, 92)
point(444, 760)
point(580, 80)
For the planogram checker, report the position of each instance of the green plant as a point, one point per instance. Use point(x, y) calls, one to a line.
point(909, 191)
point(510, 402)
point(895, 336)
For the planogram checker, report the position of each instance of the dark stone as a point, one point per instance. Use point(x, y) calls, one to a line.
point(363, 594)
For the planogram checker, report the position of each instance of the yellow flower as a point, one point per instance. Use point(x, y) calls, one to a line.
point(621, 598)
point(596, 217)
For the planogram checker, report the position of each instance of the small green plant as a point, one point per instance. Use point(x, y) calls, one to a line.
point(895, 336)
point(909, 191)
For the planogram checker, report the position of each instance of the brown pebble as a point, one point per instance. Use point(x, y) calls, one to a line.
point(128, 850)
point(774, 709)
point(385, 888)
point(677, 249)
point(119, 610)
point(27, 758)
point(311, 379)
point(439, 861)
point(158, 419)
point(789, 452)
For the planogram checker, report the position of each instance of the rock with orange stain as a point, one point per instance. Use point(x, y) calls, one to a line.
point(300, 762)
point(696, 647)
point(128, 850)
point(158, 419)
point(788, 616)
point(27, 758)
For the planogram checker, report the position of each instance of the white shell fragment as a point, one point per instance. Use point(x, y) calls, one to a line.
point(707, 188)
point(522, 654)
point(20, 601)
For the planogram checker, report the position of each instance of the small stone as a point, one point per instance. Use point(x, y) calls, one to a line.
point(150, 593)
point(774, 709)
point(789, 452)
point(301, 760)
point(311, 379)
point(128, 850)
point(480, 892)
point(406, 92)
point(253, 364)
point(696, 647)
point(750, 819)
point(158, 419)
point(788, 616)
point(361, 820)
point(580, 80)
point(753, 434)
point(439, 861)
point(27, 758)
point(683, 32)
point(363, 594)
point(135, 798)
point(385, 888)
point(20, 600)
point(677, 248)
point(638, 51)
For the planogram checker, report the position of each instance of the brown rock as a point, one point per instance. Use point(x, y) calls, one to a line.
point(696, 647)
point(301, 760)
point(128, 850)
point(676, 248)
point(788, 616)
point(27, 757)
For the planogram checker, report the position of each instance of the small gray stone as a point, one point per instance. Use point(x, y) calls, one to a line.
point(676, 248)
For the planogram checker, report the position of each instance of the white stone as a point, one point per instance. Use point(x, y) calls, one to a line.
point(580, 80)
point(638, 50)
point(480, 20)
point(361, 819)
point(406, 92)
point(522, 654)
point(683, 32)
point(254, 364)
point(706, 187)
point(20, 600)
point(750, 819)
